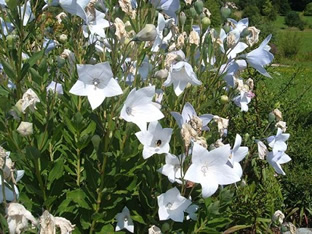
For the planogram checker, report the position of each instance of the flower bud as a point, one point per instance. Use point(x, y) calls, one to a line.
point(96, 141)
point(154, 230)
point(193, 12)
point(245, 33)
point(199, 5)
point(278, 216)
point(161, 74)
point(226, 28)
point(271, 117)
point(224, 99)
point(60, 61)
point(165, 227)
point(205, 22)
point(148, 33)
point(63, 38)
point(278, 114)
point(182, 18)
point(225, 12)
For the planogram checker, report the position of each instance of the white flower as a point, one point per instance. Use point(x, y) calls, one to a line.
point(11, 193)
point(96, 82)
point(278, 215)
point(277, 143)
point(237, 155)
point(180, 75)
point(25, 128)
point(139, 108)
point(154, 230)
point(29, 99)
point(55, 87)
point(260, 57)
point(275, 159)
point(160, 39)
point(172, 205)
point(124, 221)
point(172, 168)
point(169, 7)
point(48, 224)
point(243, 100)
point(262, 149)
point(209, 168)
point(18, 217)
point(28, 15)
point(191, 210)
point(155, 140)
point(188, 114)
point(281, 125)
point(96, 24)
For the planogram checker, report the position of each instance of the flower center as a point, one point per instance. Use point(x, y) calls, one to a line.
point(128, 111)
point(96, 82)
point(126, 219)
point(204, 170)
point(158, 143)
point(169, 205)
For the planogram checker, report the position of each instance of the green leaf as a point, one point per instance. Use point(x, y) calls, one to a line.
point(236, 228)
point(57, 170)
point(109, 229)
point(33, 152)
point(35, 57)
point(78, 196)
point(8, 69)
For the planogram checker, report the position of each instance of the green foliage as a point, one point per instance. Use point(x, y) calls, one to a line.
point(308, 10)
point(214, 8)
point(268, 10)
point(292, 19)
point(290, 46)
point(252, 12)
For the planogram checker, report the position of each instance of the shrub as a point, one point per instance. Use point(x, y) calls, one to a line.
point(292, 19)
point(308, 10)
point(253, 13)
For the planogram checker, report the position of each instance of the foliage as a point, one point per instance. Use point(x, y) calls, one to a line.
point(268, 10)
point(308, 9)
point(290, 46)
point(292, 19)
point(252, 12)
point(87, 165)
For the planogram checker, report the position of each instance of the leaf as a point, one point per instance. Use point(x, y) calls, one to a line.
point(236, 228)
point(57, 170)
point(33, 152)
point(78, 196)
point(8, 69)
point(35, 57)
point(107, 229)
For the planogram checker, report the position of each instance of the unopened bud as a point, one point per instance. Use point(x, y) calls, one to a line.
point(224, 99)
point(148, 33)
point(25, 128)
point(225, 12)
point(193, 12)
point(161, 74)
point(271, 117)
point(199, 5)
point(182, 18)
point(205, 22)
point(63, 38)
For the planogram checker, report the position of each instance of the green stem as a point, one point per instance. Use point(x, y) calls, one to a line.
point(3, 188)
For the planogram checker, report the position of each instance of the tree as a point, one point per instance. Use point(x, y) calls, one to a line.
point(269, 11)
point(308, 10)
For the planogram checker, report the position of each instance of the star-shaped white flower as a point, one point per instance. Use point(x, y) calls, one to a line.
point(172, 168)
point(275, 159)
point(277, 143)
point(96, 82)
point(172, 205)
point(209, 168)
point(155, 139)
point(188, 113)
point(140, 109)
point(180, 75)
point(237, 155)
point(261, 57)
point(124, 221)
